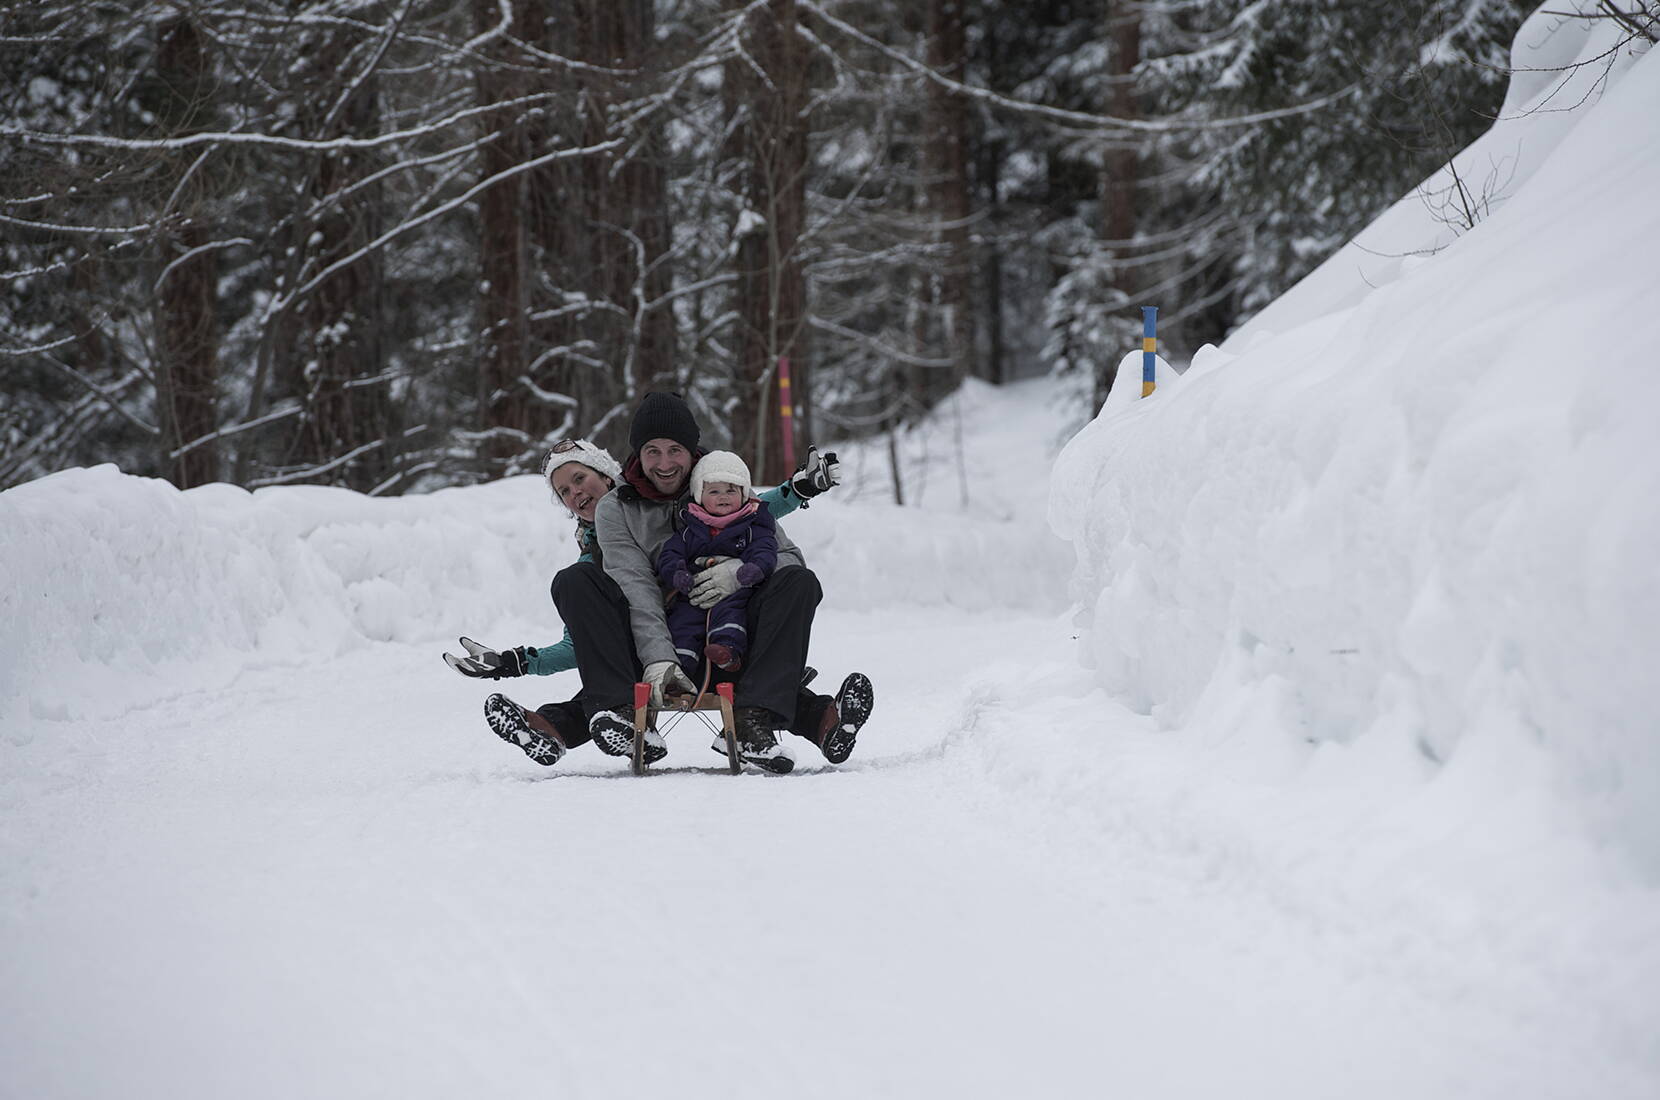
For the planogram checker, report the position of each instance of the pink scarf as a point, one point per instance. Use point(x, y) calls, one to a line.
point(717, 523)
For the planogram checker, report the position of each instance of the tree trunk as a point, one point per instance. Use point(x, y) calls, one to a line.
point(340, 321)
point(601, 226)
point(772, 139)
point(187, 339)
point(991, 172)
point(1121, 166)
point(946, 150)
point(503, 400)
point(187, 331)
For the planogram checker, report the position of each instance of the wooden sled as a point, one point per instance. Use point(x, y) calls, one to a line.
point(645, 717)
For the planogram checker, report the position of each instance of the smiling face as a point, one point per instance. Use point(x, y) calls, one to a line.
point(579, 488)
point(667, 465)
point(721, 498)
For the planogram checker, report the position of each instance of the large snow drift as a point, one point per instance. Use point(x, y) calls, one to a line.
point(121, 590)
point(1410, 515)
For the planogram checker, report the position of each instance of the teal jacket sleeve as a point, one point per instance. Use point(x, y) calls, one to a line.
point(780, 501)
point(545, 660)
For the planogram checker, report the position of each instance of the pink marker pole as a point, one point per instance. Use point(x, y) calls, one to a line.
point(786, 412)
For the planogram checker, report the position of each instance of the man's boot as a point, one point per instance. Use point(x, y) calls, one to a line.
point(844, 716)
point(758, 741)
point(613, 732)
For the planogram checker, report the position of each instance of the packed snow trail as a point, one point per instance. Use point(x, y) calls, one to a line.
point(331, 879)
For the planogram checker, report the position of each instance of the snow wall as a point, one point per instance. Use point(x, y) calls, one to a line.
point(118, 590)
point(1408, 519)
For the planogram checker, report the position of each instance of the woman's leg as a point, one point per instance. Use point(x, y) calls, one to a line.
point(596, 613)
point(568, 720)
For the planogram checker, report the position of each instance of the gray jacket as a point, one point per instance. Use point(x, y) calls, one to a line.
point(632, 531)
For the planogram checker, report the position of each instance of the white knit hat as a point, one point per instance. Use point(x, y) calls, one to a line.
point(720, 466)
point(580, 450)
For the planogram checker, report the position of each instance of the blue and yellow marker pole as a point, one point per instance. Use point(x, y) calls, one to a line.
point(1149, 347)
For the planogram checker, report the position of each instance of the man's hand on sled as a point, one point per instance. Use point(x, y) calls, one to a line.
point(487, 664)
point(718, 580)
point(817, 473)
point(666, 677)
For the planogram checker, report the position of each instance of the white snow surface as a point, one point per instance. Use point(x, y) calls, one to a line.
point(1293, 734)
point(1421, 528)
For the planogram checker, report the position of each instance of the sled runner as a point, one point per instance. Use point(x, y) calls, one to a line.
point(681, 705)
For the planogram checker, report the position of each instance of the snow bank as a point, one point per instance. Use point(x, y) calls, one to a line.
point(1415, 527)
point(119, 591)
point(971, 533)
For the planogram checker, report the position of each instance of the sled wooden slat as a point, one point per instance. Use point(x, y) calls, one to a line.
point(729, 727)
point(720, 700)
point(642, 719)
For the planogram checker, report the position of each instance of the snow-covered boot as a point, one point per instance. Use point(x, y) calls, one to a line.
point(844, 716)
point(524, 728)
point(758, 741)
point(613, 732)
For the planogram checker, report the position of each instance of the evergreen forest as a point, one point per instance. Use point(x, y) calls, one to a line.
point(394, 245)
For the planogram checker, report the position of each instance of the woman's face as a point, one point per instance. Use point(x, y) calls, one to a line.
point(579, 488)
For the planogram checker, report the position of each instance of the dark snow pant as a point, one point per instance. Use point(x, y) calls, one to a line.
point(780, 626)
point(596, 613)
point(727, 622)
point(569, 720)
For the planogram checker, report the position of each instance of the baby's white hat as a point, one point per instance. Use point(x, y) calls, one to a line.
point(720, 466)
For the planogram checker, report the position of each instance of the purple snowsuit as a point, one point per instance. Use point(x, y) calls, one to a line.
point(752, 539)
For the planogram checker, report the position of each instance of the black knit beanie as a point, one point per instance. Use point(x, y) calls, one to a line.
point(664, 416)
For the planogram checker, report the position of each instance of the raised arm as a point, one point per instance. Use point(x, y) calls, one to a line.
point(780, 501)
point(818, 473)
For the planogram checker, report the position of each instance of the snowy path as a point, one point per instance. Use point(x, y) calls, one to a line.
point(331, 881)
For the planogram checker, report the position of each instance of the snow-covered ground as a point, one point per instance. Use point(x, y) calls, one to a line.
point(259, 842)
point(1322, 761)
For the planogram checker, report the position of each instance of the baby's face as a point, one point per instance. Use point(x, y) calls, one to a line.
point(721, 498)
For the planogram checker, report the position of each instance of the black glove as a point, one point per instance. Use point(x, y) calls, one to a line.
point(816, 473)
point(487, 663)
